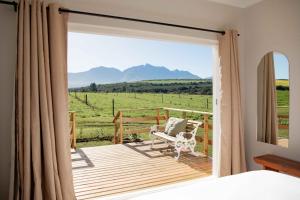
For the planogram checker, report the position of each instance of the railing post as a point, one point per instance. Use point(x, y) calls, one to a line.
point(117, 126)
point(205, 136)
point(157, 115)
point(167, 114)
point(73, 132)
point(121, 127)
point(115, 133)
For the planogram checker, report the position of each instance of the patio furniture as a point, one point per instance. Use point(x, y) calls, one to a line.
point(182, 140)
point(125, 123)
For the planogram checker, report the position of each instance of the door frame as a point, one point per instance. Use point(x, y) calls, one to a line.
point(168, 34)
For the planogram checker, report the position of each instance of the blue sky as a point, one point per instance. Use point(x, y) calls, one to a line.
point(281, 64)
point(86, 51)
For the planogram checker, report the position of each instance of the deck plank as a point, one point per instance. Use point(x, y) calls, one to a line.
point(108, 170)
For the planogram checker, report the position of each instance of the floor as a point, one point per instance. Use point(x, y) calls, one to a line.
point(108, 170)
point(283, 142)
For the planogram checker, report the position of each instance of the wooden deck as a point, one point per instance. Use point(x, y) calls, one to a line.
point(283, 142)
point(108, 170)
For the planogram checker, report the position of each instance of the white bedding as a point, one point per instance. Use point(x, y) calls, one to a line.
point(254, 185)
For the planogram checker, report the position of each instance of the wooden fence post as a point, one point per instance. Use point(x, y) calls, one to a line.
point(207, 103)
point(205, 136)
point(113, 107)
point(184, 115)
point(86, 99)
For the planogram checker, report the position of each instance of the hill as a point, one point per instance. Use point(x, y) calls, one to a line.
point(192, 86)
point(105, 75)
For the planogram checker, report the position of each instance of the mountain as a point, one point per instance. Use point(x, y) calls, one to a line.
point(97, 75)
point(150, 72)
point(103, 75)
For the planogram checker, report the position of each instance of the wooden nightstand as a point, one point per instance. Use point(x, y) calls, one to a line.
point(279, 164)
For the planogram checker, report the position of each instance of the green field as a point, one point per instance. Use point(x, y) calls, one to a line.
point(282, 82)
point(96, 120)
point(283, 106)
point(177, 81)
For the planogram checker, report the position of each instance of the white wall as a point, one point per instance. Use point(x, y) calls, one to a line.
point(8, 44)
point(189, 12)
point(272, 25)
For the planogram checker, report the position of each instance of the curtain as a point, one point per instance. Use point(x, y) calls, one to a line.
point(43, 161)
point(267, 101)
point(232, 150)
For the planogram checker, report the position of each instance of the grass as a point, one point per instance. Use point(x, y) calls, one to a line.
point(283, 102)
point(283, 106)
point(97, 122)
point(283, 82)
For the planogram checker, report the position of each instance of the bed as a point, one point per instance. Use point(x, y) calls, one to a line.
point(254, 185)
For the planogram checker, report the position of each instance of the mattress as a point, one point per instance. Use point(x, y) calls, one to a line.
point(254, 185)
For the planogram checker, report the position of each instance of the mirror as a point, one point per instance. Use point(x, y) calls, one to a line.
point(273, 99)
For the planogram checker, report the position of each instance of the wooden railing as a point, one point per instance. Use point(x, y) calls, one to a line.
point(120, 120)
point(283, 121)
point(72, 126)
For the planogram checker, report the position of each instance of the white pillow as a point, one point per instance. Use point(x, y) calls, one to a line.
point(175, 125)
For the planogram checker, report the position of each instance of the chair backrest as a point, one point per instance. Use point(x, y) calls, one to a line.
point(192, 126)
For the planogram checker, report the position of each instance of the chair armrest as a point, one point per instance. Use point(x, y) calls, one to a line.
point(157, 128)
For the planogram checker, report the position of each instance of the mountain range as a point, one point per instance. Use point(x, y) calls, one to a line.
point(104, 75)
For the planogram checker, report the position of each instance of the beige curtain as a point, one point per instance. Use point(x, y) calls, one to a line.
point(232, 150)
point(267, 101)
point(43, 155)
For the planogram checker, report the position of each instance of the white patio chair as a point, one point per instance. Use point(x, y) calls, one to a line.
point(182, 141)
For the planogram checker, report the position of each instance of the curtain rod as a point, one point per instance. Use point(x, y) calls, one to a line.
point(15, 5)
point(12, 3)
point(140, 20)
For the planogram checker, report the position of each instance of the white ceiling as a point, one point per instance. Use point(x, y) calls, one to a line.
point(237, 3)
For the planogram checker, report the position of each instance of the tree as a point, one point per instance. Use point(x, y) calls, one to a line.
point(93, 87)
